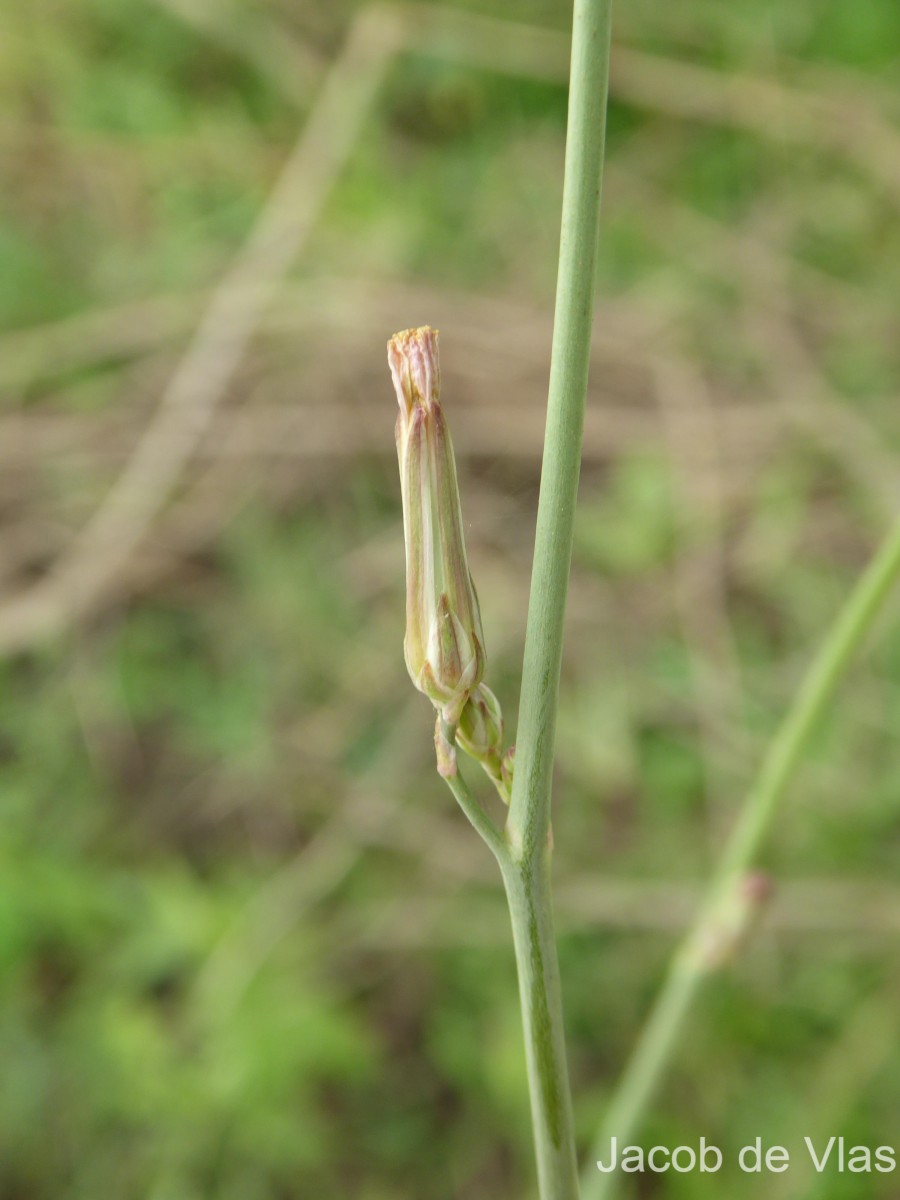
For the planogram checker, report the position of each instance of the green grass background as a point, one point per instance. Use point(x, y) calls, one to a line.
point(248, 948)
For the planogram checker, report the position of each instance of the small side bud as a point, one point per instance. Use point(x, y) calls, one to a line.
point(736, 921)
point(480, 730)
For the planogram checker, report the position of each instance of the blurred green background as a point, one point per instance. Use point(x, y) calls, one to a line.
point(248, 947)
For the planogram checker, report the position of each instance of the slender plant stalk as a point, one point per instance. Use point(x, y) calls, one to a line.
point(526, 869)
point(529, 818)
point(540, 997)
point(691, 963)
point(473, 809)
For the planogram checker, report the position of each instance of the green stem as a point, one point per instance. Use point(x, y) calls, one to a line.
point(531, 916)
point(540, 997)
point(691, 963)
point(526, 874)
point(529, 816)
point(472, 807)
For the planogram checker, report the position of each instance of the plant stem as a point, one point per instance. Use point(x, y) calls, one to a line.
point(691, 963)
point(531, 915)
point(472, 807)
point(529, 817)
point(526, 873)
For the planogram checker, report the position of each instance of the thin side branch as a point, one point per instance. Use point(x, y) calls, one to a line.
point(692, 962)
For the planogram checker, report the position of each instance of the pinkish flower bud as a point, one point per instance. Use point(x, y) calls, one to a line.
point(444, 643)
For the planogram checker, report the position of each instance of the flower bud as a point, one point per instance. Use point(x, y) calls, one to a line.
point(480, 730)
point(444, 643)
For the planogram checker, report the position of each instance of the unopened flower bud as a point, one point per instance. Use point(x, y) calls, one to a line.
point(444, 643)
point(480, 730)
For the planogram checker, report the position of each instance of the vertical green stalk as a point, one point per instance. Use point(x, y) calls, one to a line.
point(691, 964)
point(529, 818)
point(531, 915)
point(526, 872)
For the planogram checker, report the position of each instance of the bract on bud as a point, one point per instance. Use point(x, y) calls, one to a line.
point(444, 643)
point(480, 730)
point(444, 751)
point(507, 767)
